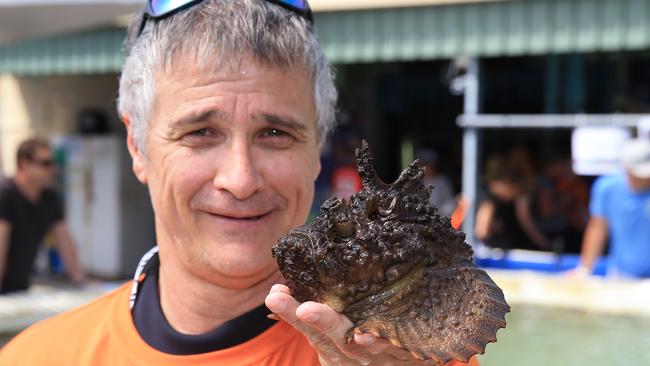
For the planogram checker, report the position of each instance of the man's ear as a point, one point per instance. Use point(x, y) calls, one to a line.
point(318, 167)
point(139, 160)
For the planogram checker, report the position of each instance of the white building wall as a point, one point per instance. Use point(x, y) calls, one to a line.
point(48, 107)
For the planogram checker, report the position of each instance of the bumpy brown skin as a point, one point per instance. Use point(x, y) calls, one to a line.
point(396, 268)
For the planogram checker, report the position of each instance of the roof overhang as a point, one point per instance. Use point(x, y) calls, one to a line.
point(438, 31)
point(338, 5)
point(25, 19)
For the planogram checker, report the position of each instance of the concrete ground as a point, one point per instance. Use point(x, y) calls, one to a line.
point(45, 298)
point(591, 295)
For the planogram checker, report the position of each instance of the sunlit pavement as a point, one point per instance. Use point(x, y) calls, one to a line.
point(44, 299)
point(587, 294)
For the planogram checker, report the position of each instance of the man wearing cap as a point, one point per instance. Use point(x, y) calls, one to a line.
point(620, 212)
point(226, 104)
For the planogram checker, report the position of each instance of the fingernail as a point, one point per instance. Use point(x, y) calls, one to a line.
point(275, 288)
point(312, 318)
point(364, 340)
point(279, 306)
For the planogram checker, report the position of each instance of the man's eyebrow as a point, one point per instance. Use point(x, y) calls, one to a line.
point(195, 118)
point(283, 121)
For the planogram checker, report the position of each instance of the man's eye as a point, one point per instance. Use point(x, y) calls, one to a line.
point(203, 132)
point(274, 132)
point(277, 138)
point(201, 137)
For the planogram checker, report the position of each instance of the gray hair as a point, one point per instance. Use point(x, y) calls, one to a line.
point(217, 32)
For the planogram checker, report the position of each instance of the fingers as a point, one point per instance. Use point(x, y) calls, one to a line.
point(285, 306)
point(280, 288)
point(324, 319)
point(373, 344)
point(335, 326)
point(308, 317)
point(326, 331)
point(378, 346)
point(324, 328)
point(282, 304)
point(401, 354)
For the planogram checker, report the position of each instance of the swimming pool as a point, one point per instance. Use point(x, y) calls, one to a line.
point(538, 336)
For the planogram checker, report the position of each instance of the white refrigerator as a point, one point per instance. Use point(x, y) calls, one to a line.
point(107, 208)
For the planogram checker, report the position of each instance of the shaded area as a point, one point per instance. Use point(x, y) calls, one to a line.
point(5, 337)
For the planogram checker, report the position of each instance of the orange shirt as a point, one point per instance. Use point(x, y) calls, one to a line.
point(102, 333)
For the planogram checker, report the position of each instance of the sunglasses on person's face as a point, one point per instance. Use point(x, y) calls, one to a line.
point(157, 9)
point(44, 163)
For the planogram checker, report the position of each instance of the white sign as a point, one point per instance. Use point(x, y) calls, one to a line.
point(597, 150)
point(643, 127)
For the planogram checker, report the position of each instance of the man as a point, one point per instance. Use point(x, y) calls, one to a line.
point(226, 104)
point(620, 212)
point(442, 195)
point(29, 209)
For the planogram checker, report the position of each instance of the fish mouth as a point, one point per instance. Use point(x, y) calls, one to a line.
point(392, 293)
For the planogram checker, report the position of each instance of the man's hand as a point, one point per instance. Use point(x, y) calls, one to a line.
point(579, 271)
point(325, 329)
point(68, 252)
point(5, 230)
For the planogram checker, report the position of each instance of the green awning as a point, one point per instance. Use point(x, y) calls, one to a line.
point(505, 28)
point(93, 52)
point(501, 28)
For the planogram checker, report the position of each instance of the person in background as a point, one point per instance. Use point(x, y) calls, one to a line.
point(226, 104)
point(518, 160)
point(561, 204)
point(442, 195)
point(504, 219)
point(345, 180)
point(29, 209)
point(620, 211)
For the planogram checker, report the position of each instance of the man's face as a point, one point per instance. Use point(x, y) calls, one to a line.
point(41, 169)
point(638, 184)
point(231, 162)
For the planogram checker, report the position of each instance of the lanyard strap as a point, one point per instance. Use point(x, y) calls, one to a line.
point(140, 273)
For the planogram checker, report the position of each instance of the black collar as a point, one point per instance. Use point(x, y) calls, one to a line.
point(155, 330)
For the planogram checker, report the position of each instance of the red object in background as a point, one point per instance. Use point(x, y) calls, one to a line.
point(345, 182)
point(459, 213)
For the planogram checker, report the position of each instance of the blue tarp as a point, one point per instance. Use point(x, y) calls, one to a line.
point(542, 262)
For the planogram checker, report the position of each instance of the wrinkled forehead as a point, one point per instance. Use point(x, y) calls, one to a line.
point(191, 91)
point(197, 60)
point(189, 64)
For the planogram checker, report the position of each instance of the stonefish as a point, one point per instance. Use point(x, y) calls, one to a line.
point(397, 269)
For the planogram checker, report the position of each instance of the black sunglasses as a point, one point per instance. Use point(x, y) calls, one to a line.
point(45, 163)
point(158, 9)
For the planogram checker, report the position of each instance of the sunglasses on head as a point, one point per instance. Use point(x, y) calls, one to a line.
point(158, 9)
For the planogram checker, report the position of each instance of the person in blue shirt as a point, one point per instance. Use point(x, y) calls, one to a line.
point(620, 211)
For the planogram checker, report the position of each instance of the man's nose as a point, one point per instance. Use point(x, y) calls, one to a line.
point(237, 172)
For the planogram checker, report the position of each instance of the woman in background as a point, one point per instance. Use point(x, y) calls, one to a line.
point(504, 218)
